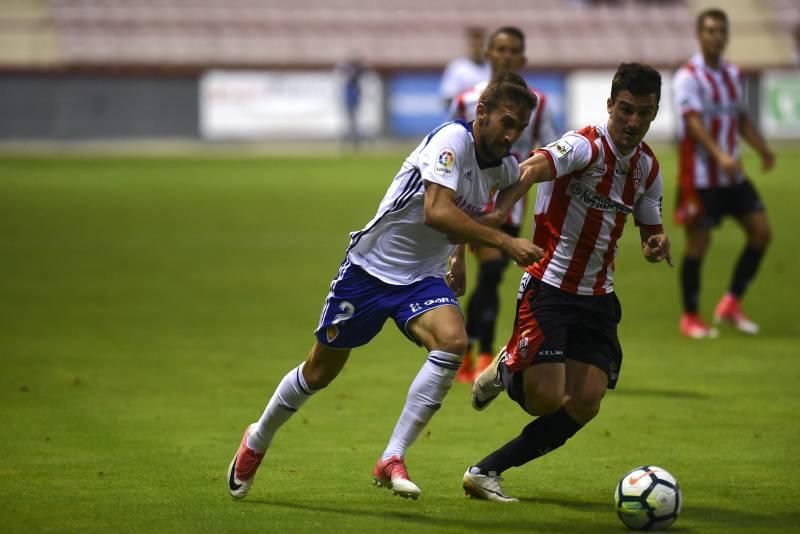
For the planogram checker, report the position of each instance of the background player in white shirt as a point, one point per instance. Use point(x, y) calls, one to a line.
point(709, 94)
point(396, 267)
point(464, 72)
point(564, 352)
point(505, 50)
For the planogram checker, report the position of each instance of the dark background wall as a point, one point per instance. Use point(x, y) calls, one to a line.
point(76, 106)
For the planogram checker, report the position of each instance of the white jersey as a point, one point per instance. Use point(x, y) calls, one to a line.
point(462, 73)
point(397, 246)
point(541, 129)
point(580, 215)
point(717, 96)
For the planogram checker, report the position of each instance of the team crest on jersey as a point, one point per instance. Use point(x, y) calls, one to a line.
point(637, 177)
point(445, 161)
point(560, 147)
point(332, 332)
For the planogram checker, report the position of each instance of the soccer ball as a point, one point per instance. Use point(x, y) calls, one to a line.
point(648, 498)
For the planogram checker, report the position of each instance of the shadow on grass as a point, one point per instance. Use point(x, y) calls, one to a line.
point(706, 516)
point(526, 523)
point(668, 393)
point(532, 508)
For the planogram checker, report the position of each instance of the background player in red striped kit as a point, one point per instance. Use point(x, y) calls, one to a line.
point(505, 50)
point(564, 351)
point(708, 93)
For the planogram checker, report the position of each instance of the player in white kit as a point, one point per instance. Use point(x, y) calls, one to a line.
point(396, 267)
point(464, 72)
point(505, 50)
point(564, 352)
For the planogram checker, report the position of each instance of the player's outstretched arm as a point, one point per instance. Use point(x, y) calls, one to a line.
point(533, 170)
point(655, 244)
point(442, 214)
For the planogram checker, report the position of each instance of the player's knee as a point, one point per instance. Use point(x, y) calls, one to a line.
point(697, 248)
point(761, 237)
point(583, 408)
point(456, 343)
point(543, 403)
point(491, 272)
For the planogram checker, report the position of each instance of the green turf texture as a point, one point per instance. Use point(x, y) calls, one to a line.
point(149, 307)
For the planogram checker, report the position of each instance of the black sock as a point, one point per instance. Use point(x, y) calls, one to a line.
point(690, 283)
point(745, 270)
point(484, 304)
point(544, 434)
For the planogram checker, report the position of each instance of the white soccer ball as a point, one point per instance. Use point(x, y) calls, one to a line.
point(648, 498)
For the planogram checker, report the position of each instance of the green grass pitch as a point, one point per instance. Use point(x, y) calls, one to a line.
point(149, 306)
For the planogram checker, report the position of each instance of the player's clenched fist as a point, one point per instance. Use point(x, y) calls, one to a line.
point(523, 251)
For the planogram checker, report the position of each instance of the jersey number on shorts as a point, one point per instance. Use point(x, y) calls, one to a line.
point(347, 309)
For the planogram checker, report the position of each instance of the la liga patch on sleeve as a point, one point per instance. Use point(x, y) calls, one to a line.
point(445, 162)
point(560, 147)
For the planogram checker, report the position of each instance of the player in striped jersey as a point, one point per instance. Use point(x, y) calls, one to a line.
point(505, 50)
point(396, 267)
point(564, 352)
point(708, 93)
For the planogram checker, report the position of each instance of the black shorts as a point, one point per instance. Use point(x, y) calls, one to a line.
point(510, 229)
point(553, 325)
point(716, 203)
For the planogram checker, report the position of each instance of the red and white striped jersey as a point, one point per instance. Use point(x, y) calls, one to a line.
point(718, 97)
point(541, 129)
point(580, 215)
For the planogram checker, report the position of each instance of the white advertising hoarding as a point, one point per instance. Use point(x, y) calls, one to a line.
point(780, 104)
point(588, 91)
point(291, 105)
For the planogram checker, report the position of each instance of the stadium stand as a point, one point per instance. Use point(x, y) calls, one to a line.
point(27, 33)
point(563, 34)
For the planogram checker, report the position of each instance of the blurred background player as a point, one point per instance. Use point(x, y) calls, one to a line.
point(708, 93)
point(351, 72)
point(564, 351)
point(395, 268)
point(464, 72)
point(505, 50)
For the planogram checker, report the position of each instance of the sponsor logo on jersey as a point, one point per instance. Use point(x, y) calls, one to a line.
point(560, 147)
point(445, 161)
point(469, 209)
point(592, 199)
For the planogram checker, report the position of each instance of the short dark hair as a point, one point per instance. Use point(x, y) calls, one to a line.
point(639, 79)
point(510, 87)
point(712, 13)
point(511, 30)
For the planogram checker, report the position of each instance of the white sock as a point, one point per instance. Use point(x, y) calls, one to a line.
point(291, 394)
point(425, 396)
